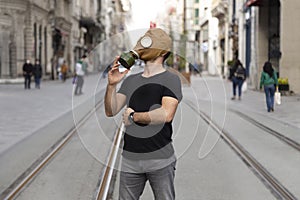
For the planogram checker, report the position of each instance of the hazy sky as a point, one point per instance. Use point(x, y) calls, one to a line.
point(144, 11)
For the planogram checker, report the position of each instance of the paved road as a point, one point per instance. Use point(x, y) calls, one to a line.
point(27, 112)
point(207, 168)
point(24, 112)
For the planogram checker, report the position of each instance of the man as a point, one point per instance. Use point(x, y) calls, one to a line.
point(27, 73)
point(37, 73)
point(80, 72)
point(151, 98)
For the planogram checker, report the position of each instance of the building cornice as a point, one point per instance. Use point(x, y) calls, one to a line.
point(40, 10)
point(18, 5)
point(63, 24)
point(220, 10)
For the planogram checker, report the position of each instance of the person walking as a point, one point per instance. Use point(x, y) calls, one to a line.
point(80, 72)
point(27, 73)
point(151, 99)
point(269, 80)
point(237, 76)
point(37, 73)
point(64, 70)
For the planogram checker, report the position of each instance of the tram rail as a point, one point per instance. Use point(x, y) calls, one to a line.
point(277, 189)
point(105, 181)
point(26, 177)
point(273, 132)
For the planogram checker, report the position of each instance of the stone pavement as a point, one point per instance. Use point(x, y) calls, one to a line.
point(254, 101)
point(25, 111)
point(192, 173)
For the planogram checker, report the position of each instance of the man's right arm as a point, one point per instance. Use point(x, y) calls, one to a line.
point(113, 101)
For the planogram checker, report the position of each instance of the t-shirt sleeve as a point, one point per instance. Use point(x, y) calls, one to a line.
point(173, 88)
point(124, 87)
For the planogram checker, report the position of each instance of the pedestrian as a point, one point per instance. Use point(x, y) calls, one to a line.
point(151, 98)
point(37, 73)
point(64, 70)
point(27, 73)
point(269, 80)
point(237, 76)
point(85, 66)
point(80, 72)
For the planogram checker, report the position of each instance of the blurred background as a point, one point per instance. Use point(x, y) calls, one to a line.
point(210, 34)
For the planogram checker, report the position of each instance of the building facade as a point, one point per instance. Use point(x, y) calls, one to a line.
point(268, 34)
point(25, 33)
point(220, 10)
point(48, 30)
point(254, 31)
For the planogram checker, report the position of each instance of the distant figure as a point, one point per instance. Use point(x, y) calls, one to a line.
point(80, 72)
point(194, 68)
point(37, 73)
point(269, 79)
point(85, 65)
point(27, 73)
point(237, 76)
point(64, 70)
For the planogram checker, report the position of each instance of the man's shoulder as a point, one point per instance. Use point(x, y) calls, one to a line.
point(171, 74)
point(134, 76)
point(171, 77)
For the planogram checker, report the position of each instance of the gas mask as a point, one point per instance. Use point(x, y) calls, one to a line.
point(153, 44)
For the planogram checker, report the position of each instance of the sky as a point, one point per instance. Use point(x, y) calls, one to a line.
point(144, 11)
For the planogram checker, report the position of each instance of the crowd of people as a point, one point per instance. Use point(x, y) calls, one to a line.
point(268, 82)
point(36, 71)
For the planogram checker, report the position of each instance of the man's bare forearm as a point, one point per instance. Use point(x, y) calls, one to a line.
point(110, 101)
point(157, 116)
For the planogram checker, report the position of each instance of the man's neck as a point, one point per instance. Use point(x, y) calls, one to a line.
point(152, 69)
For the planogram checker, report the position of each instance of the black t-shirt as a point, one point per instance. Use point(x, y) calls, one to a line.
point(142, 95)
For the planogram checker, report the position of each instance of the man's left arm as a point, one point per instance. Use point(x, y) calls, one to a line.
point(165, 113)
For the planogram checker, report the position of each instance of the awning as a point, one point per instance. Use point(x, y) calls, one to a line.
point(253, 3)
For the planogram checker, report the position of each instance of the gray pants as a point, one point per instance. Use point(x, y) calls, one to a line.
point(161, 181)
point(79, 84)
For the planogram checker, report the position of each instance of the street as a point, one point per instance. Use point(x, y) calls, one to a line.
point(207, 167)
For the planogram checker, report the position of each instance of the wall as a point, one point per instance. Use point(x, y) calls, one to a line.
point(290, 43)
point(262, 40)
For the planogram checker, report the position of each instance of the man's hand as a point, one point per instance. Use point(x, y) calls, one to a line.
point(125, 116)
point(114, 76)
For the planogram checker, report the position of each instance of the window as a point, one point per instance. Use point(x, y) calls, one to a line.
point(197, 12)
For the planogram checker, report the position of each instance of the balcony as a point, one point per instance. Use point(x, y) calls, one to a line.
point(219, 9)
